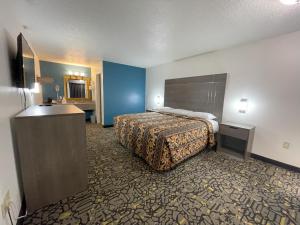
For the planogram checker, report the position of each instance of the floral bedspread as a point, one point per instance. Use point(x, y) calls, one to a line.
point(163, 140)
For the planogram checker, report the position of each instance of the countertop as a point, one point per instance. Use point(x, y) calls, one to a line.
point(51, 110)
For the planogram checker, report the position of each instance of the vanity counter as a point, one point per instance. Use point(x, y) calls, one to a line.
point(50, 110)
point(85, 105)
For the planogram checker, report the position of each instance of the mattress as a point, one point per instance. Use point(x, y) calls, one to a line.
point(163, 140)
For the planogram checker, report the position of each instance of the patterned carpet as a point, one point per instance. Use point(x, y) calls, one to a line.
point(210, 188)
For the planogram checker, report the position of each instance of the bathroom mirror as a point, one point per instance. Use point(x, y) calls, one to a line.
point(77, 87)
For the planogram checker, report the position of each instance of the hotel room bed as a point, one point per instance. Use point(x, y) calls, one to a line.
point(162, 139)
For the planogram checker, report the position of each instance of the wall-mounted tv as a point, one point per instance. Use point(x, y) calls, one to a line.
point(25, 77)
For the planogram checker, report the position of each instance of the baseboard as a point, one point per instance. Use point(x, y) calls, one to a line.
point(107, 126)
point(22, 212)
point(276, 163)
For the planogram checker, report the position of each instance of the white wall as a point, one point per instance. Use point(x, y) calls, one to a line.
point(11, 103)
point(267, 73)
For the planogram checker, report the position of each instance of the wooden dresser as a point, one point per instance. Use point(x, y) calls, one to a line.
point(51, 142)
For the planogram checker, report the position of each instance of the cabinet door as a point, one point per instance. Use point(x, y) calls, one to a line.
point(53, 157)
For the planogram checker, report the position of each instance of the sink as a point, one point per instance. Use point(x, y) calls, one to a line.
point(46, 105)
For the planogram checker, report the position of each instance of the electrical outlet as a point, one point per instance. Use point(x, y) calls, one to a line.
point(286, 145)
point(5, 204)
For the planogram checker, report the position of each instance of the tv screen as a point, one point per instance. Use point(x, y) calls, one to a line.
point(25, 61)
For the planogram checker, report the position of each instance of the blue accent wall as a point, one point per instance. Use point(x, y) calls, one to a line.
point(57, 72)
point(124, 90)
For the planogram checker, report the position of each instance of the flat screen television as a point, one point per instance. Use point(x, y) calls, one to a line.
point(25, 77)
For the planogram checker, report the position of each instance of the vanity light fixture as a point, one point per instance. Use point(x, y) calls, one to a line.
point(290, 2)
point(243, 105)
point(76, 73)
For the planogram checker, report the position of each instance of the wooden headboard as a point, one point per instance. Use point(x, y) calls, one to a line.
point(200, 93)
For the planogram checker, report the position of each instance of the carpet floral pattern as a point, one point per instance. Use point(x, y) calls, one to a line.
point(210, 188)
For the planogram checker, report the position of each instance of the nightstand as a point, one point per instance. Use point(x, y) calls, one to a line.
point(235, 139)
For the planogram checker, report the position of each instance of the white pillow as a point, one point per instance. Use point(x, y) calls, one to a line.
point(174, 111)
point(163, 109)
point(203, 115)
point(182, 112)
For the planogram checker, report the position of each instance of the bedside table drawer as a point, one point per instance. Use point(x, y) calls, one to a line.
point(234, 132)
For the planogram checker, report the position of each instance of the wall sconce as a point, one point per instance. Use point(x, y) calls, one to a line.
point(36, 88)
point(158, 100)
point(45, 80)
point(243, 105)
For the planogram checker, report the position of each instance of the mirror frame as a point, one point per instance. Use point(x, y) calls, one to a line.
point(74, 77)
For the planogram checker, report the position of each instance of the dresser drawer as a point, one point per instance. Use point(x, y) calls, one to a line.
point(233, 131)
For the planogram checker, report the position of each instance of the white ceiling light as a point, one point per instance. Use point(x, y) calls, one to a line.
point(290, 2)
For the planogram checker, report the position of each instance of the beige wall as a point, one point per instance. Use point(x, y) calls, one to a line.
point(97, 70)
point(267, 73)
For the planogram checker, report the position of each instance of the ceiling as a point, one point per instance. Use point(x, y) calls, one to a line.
point(148, 32)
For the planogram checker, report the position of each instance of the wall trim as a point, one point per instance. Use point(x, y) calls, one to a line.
point(276, 163)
